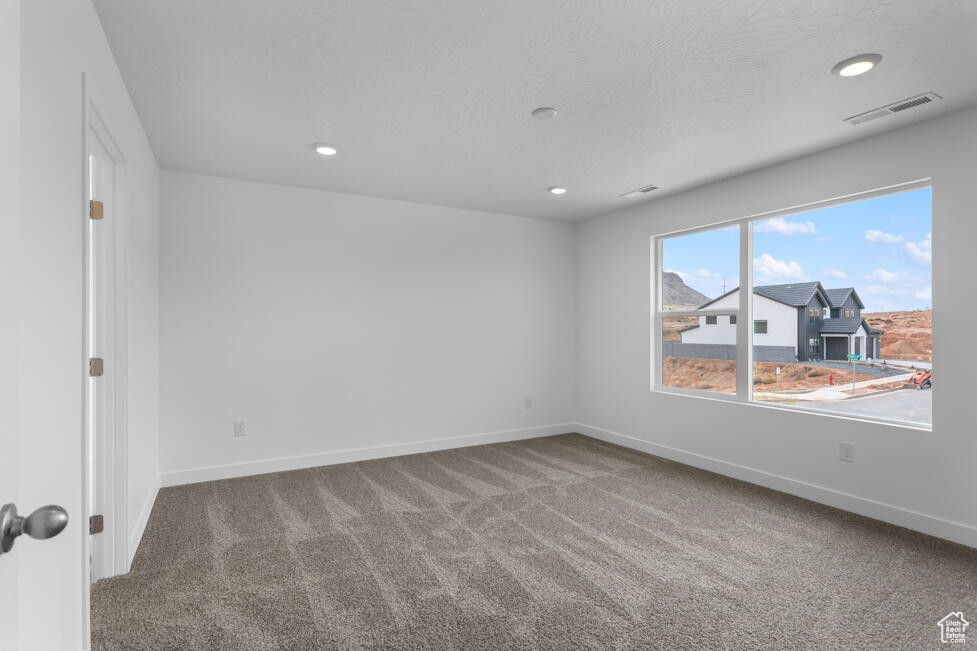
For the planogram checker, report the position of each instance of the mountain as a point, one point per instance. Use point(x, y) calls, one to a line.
point(678, 294)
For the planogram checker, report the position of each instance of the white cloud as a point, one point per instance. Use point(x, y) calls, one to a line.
point(882, 236)
point(882, 305)
point(883, 276)
point(769, 269)
point(784, 227)
point(902, 292)
point(692, 276)
point(880, 290)
point(835, 274)
point(921, 251)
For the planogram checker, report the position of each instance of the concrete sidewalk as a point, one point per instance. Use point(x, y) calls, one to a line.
point(836, 392)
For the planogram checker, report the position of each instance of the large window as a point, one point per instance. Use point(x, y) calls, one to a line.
point(839, 297)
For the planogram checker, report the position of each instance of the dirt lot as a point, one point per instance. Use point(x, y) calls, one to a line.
point(908, 335)
point(720, 375)
point(672, 326)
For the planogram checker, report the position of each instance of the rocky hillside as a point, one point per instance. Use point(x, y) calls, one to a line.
point(678, 294)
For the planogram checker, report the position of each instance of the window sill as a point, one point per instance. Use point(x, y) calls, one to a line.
point(731, 398)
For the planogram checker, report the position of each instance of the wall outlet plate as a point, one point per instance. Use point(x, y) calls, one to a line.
point(846, 452)
point(528, 403)
point(240, 428)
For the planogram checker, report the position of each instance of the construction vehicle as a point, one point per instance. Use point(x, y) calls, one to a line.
point(921, 379)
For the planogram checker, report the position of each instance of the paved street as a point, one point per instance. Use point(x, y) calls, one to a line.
point(907, 404)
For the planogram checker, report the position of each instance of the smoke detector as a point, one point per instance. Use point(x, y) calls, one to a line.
point(638, 192)
point(895, 107)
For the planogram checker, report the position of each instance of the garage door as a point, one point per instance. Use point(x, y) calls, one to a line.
point(837, 347)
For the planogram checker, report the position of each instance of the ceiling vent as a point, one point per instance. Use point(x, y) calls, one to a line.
point(639, 192)
point(895, 107)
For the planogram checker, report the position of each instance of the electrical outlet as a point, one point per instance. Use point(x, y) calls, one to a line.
point(528, 403)
point(240, 428)
point(846, 452)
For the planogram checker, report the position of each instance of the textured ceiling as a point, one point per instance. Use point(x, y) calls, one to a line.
point(429, 100)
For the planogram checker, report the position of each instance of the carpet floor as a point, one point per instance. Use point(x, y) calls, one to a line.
point(552, 543)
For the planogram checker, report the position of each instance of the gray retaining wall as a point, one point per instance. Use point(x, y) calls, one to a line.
point(783, 354)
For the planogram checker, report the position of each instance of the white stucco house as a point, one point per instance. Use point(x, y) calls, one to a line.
point(798, 321)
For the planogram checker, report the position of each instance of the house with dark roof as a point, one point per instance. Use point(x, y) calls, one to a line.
point(792, 322)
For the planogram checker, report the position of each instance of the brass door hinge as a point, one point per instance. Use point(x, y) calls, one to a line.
point(96, 524)
point(95, 209)
point(95, 367)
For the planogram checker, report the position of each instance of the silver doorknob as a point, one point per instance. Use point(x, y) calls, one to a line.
point(46, 522)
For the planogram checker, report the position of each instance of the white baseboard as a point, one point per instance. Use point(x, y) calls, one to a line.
point(228, 471)
point(957, 532)
point(139, 526)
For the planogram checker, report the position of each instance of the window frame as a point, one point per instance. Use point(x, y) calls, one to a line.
point(744, 334)
point(744, 377)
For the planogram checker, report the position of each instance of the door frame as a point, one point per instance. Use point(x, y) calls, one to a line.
point(111, 453)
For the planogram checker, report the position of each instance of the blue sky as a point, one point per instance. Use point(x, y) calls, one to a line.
point(880, 246)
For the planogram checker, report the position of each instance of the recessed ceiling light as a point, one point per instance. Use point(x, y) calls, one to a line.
point(556, 189)
point(325, 150)
point(856, 65)
point(545, 113)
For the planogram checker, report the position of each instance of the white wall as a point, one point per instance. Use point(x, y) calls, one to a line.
point(781, 323)
point(59, 42)
point(860, 336)
point(721, 332)
point(920, 479)
point(336, 323)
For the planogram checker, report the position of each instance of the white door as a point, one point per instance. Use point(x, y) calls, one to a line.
point(9, 327)
point(42, 586)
